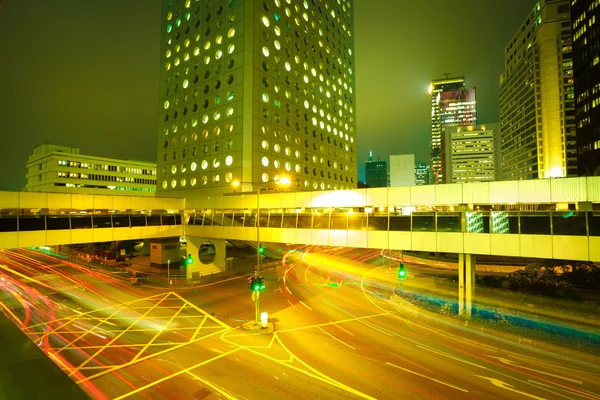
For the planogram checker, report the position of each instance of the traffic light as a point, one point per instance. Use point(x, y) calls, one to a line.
point(261, 250)
point(402, 271)
point(189, 260)
point(256, 284)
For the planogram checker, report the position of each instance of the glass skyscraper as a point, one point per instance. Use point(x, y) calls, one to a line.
point(452, 104)
point(255, 90)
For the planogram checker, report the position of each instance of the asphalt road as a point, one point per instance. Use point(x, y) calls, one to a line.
point(339, 333)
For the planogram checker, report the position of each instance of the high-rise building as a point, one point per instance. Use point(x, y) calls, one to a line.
point(377, 173)
point(421, 173)
point(53, 168)
point(537, 112)
point(452, 104)
point(253, 91)
point(402, 170)
point(473, 153)
point(586, 67)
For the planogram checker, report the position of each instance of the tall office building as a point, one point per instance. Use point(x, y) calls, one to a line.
point(402, 170)
point(537, 112)
point(421, 173)
point(473, 153)
point(376, 172)
point(586, 66)
point(53, 168)
point(452, 104)
point(253, 91)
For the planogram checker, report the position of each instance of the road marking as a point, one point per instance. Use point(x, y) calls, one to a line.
point(332, 323)
point(377, 329)
point(509, 362)
point(441, 353)
point(301, 302)
point(548, 387)
point(183, 371)
point(427, 377)
point(339, 340)
point(141, 318)
point(504, 385)
point(213, 387)
point(345, 330)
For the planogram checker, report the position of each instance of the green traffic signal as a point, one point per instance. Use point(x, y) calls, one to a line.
point(401, 272)
point(257, 285)
point(261, 250)
point(189, 260)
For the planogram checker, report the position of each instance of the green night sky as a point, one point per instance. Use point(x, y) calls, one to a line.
point(84, 73)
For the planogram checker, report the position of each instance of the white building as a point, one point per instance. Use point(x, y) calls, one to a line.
point(402, 170)
point(53, 168)
point(473, 153)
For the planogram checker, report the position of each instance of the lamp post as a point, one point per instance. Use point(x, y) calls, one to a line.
point(283, 181)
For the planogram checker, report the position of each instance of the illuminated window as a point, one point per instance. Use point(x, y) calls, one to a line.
point(265, 161)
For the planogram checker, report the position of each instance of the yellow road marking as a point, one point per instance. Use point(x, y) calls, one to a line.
point(427, 377)
point(143, 316)
point(301, 302)
point(377, 329)
point(339, 340)
point(203, 312)
point(146, 358)
point(165, 327)
point(345, 330)
point(550, 387)
point(197, 331)
point(183, 371)
point(332, 323)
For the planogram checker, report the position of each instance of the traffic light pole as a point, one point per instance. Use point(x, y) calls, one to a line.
point(257, 271)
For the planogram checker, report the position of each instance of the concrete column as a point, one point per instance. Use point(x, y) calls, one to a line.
point(204, 262)
point(466, 283)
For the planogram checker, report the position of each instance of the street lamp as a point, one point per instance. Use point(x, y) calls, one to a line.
point(283, 181)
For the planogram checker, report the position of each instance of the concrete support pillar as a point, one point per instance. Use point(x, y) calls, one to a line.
point(207, 259)
point(466, 283)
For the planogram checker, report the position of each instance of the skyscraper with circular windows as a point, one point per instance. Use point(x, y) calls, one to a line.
point(256, 90)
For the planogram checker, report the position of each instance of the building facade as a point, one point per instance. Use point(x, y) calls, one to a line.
point(473, 153)
point(586, 67)
point(452, 104)
point(253, 91)
point(53, 168)
point(402, 170)
point(537, 110)
point(421, 173)
point(376, 172)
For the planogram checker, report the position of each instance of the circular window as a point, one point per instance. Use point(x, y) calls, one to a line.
point(183, 168)
point(229, 111)
point(265, 161)
point(230, 144)
point(173, 183)
point(288, 166)
point(265, 51)
point(183, 182)
point(265, 21)
point(276, 163)
point(204, 180)
point(204, 164)
point(216, 178)
point(276, 148)
point(228, 161)
point(265, 177)
point(231, 48)
point(193, 181)
point(265, 97)
point(265, 145)
point(229, 96)
point(193, 166)
point(228, 177)
point(166, 104)
point(231, 33)
point(298, 168)
point(174, 169)
point(165, 184)
point(216, 163)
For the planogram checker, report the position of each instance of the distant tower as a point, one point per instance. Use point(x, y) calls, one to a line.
point(452, 104)
point(377, 175)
